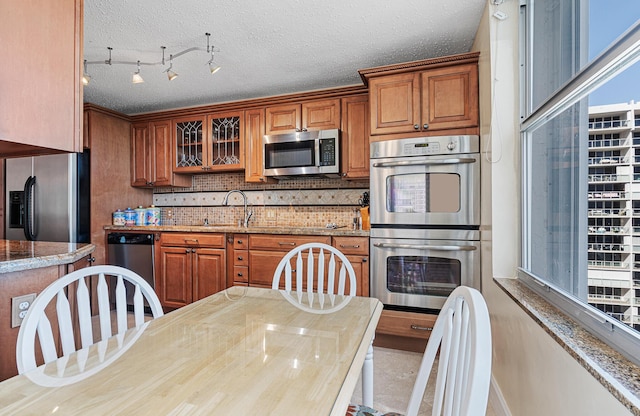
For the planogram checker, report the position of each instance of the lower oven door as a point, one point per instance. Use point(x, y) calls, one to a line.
point(422, 273)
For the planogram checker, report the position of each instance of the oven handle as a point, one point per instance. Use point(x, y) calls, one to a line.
point(454, 161)
point(425, 247)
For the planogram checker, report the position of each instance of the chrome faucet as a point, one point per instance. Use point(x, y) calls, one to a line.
point(247, 214)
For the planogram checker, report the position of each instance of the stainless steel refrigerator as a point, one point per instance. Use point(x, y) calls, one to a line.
point(47, 198)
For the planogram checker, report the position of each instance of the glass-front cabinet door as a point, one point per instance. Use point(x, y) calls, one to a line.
point(189, 145)
point(225, 141)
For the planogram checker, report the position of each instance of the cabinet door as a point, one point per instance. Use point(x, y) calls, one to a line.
point(225, 141)
point(190, 149)
point(254, 152)
point(161, 148)
point(395, 103)
point(321, 114)
point(283, 119)
point(355, 137)
point(173, 280)
point(41, 84)
point(209, 275)
point(141, 155)
point(450, 97)
point(360, 266)
point(262, 266)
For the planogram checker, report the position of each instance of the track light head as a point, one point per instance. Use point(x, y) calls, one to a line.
point(137, 78)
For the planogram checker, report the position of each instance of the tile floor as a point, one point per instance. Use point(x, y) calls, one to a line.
point(394, 375)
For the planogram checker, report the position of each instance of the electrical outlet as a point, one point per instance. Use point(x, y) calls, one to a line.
point(270, 215)
point(19, 307)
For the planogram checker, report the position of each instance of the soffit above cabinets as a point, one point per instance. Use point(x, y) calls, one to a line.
point(264, 48)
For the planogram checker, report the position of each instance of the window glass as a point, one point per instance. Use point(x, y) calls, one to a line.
point(581, 161)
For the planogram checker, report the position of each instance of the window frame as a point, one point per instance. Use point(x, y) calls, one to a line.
point(619, 56)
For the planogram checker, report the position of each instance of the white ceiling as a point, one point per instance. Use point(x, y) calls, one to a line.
point(264, 48)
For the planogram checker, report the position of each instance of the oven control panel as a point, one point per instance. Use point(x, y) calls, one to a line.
point(416, 149)
point(426, 146)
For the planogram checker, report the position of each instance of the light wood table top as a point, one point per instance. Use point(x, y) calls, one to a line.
point(243, 351)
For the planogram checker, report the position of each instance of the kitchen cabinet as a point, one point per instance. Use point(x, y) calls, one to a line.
point(214, 142)
point(239, 253)
point(152, 156)
point(189, 267)
point(254, 151)
point(437, 96)
point(266, 251)
point(355, 137)
point(404, 330)
point(42, 111)
point(357, 251)
point(311, 115)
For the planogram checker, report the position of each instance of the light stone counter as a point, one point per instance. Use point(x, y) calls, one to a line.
point(346, 232)
point(19, 255)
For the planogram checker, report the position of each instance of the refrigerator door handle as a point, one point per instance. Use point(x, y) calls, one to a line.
point(29, 185)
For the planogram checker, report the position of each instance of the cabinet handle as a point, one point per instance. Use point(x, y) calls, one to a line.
point(425, 126)
point(188, 250)
point(239, 274)
point(240, 258)
point(286, 244)
point(364, 260)
point(193, 250)
point(304, 129)
point(239, 241)
point(352, 246)
point(261, 179)
point(195, 240)
point(421, 328)
point(416, 126)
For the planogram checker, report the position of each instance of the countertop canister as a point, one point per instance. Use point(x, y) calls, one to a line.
point(129, 217)
point(152, 216)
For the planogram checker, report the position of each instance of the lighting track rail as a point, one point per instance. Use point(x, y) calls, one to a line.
point(171, 75)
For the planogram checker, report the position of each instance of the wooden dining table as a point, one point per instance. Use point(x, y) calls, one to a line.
point(242, 351)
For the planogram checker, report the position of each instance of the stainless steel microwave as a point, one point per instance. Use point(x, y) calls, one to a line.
point(315, 153)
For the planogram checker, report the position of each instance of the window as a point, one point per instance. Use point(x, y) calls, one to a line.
point(581, 162)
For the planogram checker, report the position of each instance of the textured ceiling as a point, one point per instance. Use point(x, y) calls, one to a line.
point(264, 48)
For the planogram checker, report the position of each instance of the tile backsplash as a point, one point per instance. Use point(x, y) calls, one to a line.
point(293, 202)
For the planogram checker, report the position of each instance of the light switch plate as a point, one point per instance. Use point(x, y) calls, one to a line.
point(19, 307)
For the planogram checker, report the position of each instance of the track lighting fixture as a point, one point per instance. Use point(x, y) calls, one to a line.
point(86, 78)
point(137, 78)
point(171, 74)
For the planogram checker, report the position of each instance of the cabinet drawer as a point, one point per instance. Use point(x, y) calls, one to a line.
point(283, 242)
point(192, 239)
point(406, 324)
point(241, 274)
point(241, 242)
point(352, 245)
point(240, 257)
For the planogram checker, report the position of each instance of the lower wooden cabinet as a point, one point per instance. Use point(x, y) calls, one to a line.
point(404, 330)
point(189, 267)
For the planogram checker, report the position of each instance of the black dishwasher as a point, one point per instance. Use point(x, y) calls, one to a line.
point(133, 251)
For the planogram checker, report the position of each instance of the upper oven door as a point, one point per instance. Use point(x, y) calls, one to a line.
point(426, 190)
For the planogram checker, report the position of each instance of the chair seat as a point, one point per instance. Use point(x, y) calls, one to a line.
point(360, 410)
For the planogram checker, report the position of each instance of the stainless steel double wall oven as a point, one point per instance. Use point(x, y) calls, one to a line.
point(425, 219)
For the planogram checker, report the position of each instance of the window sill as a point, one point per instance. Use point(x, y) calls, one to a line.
point(617, 374)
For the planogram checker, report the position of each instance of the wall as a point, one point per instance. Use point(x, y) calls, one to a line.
point(295, 202)
point(532, 372)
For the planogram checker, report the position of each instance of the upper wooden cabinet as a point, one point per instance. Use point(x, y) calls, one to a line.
point(254, 152)
point(214, 142)
point(152, 157)
point(355, 137)
point(312, 115)
point(28, 30)
point(436, 96)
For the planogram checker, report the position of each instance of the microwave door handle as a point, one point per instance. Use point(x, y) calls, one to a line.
point(425, 247)
point(454, 161)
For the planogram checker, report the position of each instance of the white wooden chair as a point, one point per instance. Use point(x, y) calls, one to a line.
point(319, 283)
point(462, 334)
point(58, 293)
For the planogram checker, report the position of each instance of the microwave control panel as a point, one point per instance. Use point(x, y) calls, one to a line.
point(327, 152)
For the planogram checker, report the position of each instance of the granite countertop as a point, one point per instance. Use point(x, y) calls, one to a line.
point(346, 232)
point(18, 255)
